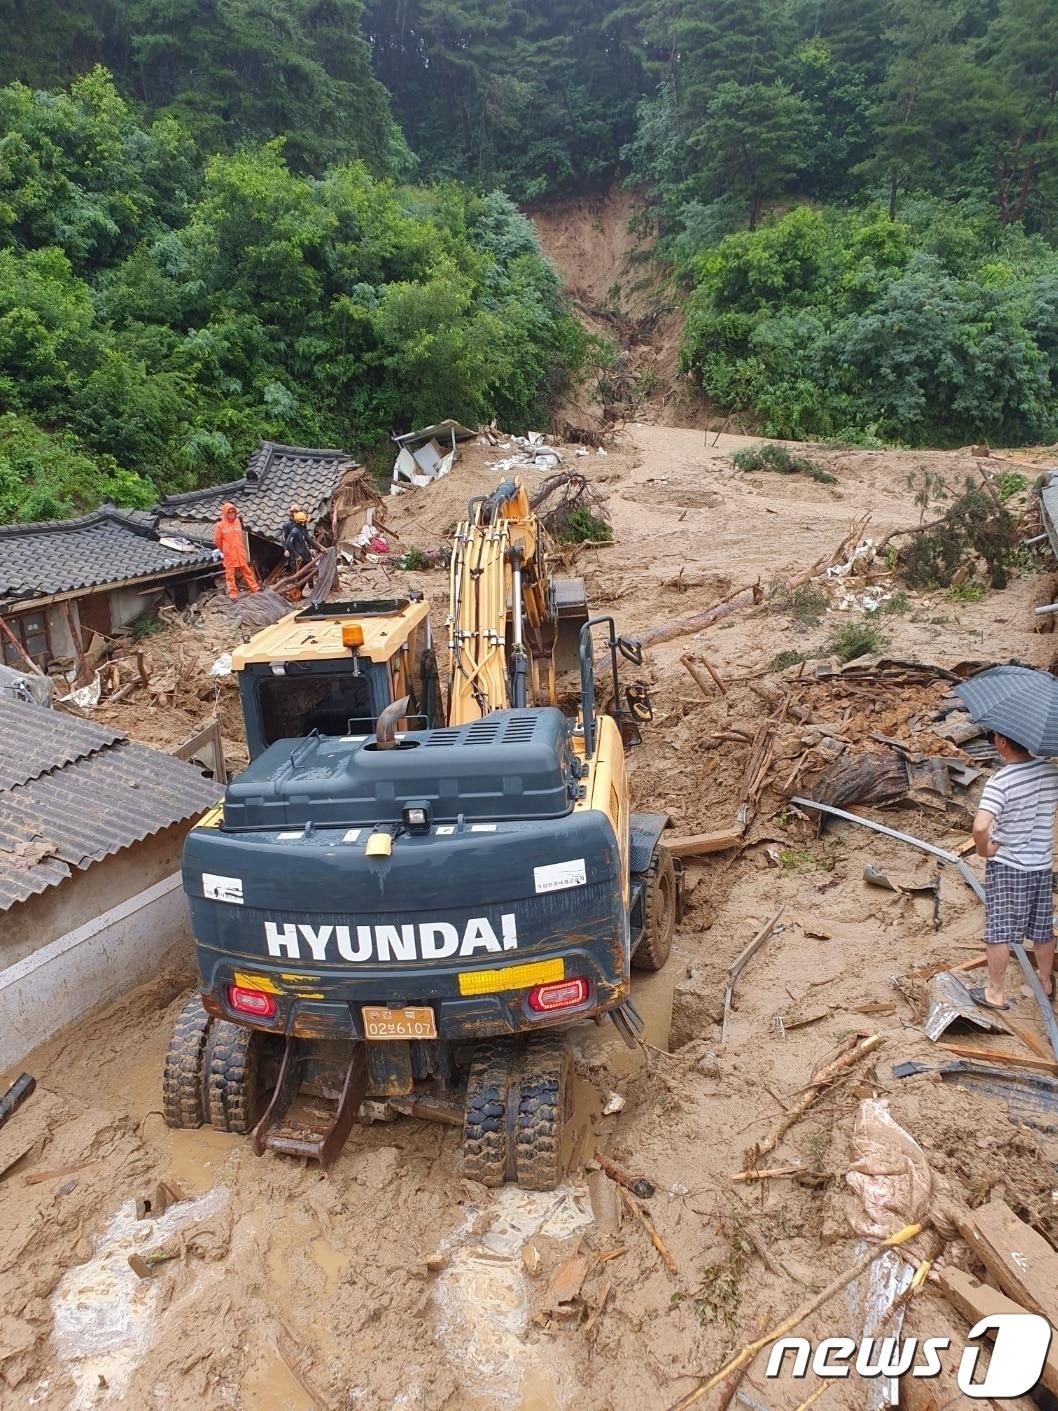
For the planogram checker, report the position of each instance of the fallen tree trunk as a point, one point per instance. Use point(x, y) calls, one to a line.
point(699, 844)
point(683, 626)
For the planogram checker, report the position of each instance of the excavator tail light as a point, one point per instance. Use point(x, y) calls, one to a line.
point(254, 1002)
point(568, 994)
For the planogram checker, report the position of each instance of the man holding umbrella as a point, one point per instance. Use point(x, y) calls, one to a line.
point(1014, 826)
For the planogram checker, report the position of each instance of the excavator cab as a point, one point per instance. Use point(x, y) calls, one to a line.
point(333, 668)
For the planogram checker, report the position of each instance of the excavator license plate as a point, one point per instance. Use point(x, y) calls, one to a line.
point(382, 1023)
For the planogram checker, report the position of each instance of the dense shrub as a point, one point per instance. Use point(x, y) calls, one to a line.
point(158, 316)
point(828, 326)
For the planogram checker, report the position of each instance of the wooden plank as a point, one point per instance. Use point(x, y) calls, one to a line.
point(1027, 1037)
point(975, 1300)
point(983, 1054)
point(698, 844)
point(1019, 1260)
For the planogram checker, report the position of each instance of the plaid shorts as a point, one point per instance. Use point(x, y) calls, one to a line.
point(1018, 905)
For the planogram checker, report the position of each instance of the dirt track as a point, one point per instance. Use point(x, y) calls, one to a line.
point(391, 1282)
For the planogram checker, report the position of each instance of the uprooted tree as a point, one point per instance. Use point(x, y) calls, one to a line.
point(976, 526)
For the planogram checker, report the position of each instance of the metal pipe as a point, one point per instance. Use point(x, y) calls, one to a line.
point(1036, 539)
point(1047, 608)
point(1050, 1023)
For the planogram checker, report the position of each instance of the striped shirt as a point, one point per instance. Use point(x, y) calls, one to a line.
point(1022, 798)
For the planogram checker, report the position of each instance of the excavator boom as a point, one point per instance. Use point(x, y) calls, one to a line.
point(499, 573)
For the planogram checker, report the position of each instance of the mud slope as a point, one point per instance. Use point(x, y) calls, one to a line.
point(623, 295)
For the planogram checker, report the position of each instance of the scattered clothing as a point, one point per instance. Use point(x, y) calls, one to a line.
point(1019, 905)
point(1022, 798)
point(230, 538)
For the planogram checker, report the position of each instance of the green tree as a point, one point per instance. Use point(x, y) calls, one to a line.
point(754, 141)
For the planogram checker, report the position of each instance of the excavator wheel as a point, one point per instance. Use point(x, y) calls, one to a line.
point(659, 912)
point(183, 1088)
point(235, 1099)
point(485, 1132)
point(543, 1110)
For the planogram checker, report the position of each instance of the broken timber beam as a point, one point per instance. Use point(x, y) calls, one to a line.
point(698, 844)
point(994, 1055)
point(975, 1300)
point(1020, 1261)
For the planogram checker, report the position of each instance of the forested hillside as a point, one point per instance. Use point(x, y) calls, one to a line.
point(227, 218)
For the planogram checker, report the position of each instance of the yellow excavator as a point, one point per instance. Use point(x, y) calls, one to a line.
point(402, 911)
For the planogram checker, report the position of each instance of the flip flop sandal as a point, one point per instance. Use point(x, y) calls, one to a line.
point(978, 996)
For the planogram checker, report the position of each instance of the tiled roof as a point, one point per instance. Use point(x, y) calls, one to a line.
point(85, 792)
point(64, 555)
point(32, 742)
point(276, 476)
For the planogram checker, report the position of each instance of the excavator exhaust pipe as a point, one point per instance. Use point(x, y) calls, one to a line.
point(386, 727)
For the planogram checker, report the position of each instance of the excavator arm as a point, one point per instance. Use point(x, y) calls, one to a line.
point(499, 563)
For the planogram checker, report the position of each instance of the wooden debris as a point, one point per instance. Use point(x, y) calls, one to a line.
point(566, 1281)
point(635, 1209)
point(740, 962)
point(975, 1300)
point(699, 844)
point(747, 1354)
point(995, 1055)
point(684, 626)
point(691, 664)
point(1028, 1038)
point(852, 1050)
point(638, 1185)
point(767, 1174)
point(600, 1301)
point(35, 1177)
point(731, 1385)
point(1020, 1261)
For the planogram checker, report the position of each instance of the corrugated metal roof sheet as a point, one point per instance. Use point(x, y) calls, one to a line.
point(34, 741)
point(67, 555)
point(276, 477)
point(102, 794)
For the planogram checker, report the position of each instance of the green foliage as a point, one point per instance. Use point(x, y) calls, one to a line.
point(768, 456)
point(857, 639)
point(1011, 483)
point(896, 605)
point(806, 604)
point(50, 476)
point(965, 593)
point(824, 324)
point(581, 526)
point(974, 527)
point(783, 659)
point(146, 625)
point(165, 313)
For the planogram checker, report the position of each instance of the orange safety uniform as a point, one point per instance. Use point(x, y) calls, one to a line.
point(231, 541)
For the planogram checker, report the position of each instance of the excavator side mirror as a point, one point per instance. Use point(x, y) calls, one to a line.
point(631, 650)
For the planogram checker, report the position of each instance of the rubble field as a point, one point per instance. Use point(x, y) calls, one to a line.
point(390, 1281)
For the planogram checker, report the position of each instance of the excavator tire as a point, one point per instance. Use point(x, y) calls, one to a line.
point(659, 912)
point(542, 1112)
point(485, 1135)
point(234, 1096)
point(183, 1089)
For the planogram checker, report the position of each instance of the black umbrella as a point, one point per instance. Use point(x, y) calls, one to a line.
point(1017, 702)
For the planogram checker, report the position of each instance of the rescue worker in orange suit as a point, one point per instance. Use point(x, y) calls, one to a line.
point(231, 541)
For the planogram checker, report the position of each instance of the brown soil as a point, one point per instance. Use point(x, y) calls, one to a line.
point(627, 298)
point(390, 1281)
